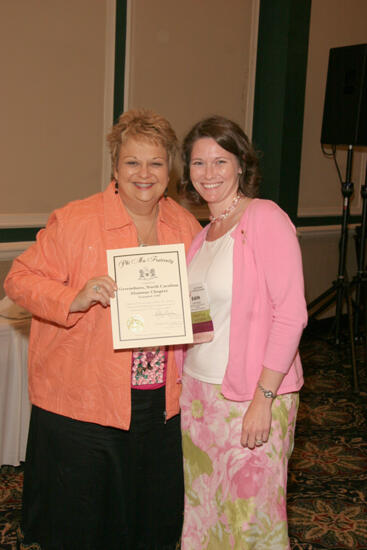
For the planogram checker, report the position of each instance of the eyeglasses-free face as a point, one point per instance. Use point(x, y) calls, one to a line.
point(142, 173)
point(214, 173)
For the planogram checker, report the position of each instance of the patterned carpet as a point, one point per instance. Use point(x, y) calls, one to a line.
point(11, 481)
point(327, 489)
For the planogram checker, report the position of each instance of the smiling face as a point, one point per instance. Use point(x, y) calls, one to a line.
point(214, 173)
point(142, 173)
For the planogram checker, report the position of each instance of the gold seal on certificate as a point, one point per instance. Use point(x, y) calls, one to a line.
point(151, 306)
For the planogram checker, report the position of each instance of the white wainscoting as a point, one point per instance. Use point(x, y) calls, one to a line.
point(320, 253)
point(9, 251)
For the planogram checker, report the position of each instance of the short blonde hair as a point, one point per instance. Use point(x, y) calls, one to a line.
point(141, 124)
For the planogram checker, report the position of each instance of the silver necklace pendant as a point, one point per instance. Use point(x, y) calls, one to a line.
point(140, 241)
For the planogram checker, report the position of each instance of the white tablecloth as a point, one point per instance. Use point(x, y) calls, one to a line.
point(14, 403)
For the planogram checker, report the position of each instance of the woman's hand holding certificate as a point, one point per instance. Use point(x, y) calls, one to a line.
point(151, 306)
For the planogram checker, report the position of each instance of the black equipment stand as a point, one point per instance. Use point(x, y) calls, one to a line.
point(340, 289)
point(360, 279)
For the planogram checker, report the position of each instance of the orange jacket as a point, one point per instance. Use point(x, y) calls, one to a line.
point(73, 368)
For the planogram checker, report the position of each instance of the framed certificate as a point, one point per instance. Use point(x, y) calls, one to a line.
point(151, 306)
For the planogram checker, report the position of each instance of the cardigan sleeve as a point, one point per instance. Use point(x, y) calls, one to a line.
point(38, 279)
point(279, 256)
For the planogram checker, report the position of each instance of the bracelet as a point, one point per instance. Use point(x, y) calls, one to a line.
point(268, 393)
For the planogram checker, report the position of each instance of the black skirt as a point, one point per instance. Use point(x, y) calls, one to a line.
point(91, 487)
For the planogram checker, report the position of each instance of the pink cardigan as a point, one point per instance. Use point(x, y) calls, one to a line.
point(268, 312)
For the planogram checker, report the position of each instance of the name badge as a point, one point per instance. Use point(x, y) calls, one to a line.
point(202, 324)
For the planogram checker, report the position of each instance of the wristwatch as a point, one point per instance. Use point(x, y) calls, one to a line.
point(268, 393)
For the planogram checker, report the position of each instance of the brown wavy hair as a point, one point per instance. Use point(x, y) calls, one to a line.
point(233, 139)
point(141, 124)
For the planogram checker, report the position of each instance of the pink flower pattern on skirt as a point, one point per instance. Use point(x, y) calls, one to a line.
point(235, 498)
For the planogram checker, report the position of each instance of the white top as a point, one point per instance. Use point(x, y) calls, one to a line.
point(213, 265)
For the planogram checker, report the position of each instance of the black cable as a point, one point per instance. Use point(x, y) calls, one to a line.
point(325, 153)
point(338, 169)
point(333, 156)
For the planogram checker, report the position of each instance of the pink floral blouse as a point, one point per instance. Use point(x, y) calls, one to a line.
point(148, 368)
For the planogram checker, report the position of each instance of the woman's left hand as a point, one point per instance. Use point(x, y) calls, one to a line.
point(256, 422)
point(96, 290)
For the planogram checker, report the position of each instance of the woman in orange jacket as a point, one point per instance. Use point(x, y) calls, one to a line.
point(104, 464)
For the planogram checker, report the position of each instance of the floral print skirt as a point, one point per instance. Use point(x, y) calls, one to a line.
point(235, 498)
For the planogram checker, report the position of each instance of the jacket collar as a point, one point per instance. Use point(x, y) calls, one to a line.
point(116, 216)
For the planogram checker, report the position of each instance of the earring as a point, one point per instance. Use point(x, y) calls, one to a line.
point(165, 194)
point(116, 187)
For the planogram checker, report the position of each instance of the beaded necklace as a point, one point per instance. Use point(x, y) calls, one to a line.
point(227, 211)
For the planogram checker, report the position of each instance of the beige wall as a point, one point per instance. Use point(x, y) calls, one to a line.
point(190, 59)
point(56, 103)
point(334, 23)
point(186, 60)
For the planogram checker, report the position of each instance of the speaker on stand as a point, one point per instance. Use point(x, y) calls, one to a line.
point(344, 124)
point(345, 106)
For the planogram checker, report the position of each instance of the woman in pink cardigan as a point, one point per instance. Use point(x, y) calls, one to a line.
point(241, 383)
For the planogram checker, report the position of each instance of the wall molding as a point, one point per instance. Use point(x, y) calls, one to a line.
point(9, 251)
point(323, 211)
point(312, 231)
point(255, 13)
point(127, 76)
point(23, 220)
point(108, 89)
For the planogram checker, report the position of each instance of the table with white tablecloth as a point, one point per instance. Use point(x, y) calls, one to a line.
point(14, 403)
